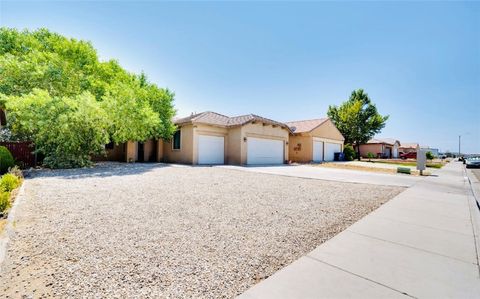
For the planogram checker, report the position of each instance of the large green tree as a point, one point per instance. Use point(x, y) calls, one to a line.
point(357, 119)
point(51, 84)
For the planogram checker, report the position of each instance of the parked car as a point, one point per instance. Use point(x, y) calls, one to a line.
point(411, 155)
point(473, 162)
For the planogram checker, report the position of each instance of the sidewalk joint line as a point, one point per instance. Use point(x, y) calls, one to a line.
point(360, 276)
point(426, 226)
point(412, 247)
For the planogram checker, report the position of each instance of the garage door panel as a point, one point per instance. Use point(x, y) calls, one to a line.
point(211, 149)
point(317, 151)
point(265, 151)
point(331, 149)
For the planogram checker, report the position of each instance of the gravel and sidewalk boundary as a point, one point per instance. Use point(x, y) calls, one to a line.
point(421, 244)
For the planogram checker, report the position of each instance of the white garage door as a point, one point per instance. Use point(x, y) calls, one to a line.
point(210, 149)
point(264, 151)
point(330, 149)
point(317, 151)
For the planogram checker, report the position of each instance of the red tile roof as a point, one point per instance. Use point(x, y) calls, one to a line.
point(213, 118)
point(389, 141)
point(303, 126)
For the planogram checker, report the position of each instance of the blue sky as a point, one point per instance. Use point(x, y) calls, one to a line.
point(418, 61)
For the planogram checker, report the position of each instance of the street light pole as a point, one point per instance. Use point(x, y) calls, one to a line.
point(459, 141)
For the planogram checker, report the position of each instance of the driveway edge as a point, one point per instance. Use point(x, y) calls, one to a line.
point(9, 227)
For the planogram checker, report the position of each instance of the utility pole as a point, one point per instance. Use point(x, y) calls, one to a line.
point(459, 141)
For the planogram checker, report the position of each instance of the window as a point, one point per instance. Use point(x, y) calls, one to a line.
point(176, 140)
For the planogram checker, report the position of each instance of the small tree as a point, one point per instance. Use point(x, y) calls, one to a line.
point(357, 119)
point(67, 130)
point(430, 156)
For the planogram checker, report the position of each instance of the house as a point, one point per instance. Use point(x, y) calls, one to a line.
point(381, 148)
point(408, 147)
point(213, 138)
point(314, 140)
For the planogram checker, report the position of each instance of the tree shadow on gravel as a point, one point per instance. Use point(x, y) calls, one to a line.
point(101, 169)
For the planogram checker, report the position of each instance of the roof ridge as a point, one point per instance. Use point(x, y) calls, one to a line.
point(304, 120)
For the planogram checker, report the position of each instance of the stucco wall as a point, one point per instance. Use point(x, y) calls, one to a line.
point(372, 148)
point(327, 130)
point(115, 154)
point(300, 148)
point(159, 150)
point(185, 153)
point(149, 151)
point(234, 148)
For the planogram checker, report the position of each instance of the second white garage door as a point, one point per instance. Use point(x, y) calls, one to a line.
point(331, 149)
point(264, 151)
point(210, 149)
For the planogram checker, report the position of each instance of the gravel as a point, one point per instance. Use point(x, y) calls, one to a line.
point(149, 230)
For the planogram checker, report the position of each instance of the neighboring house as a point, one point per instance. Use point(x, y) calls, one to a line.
point(212, 138)
point(314, 140)
point(408, 147)
point(381, 148)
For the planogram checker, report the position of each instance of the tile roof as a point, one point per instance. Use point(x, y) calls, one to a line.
point(409, 145)
point(303, 126)
point(213, 118)
point(389, 141)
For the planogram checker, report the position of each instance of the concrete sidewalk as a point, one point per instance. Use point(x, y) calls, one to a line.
point(333, 174)
point(422, 244)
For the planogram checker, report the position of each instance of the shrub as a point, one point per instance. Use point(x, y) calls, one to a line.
point(370, 155)
point(8, 182)
point(349, 152)
point(430, 156)
point(16, 171)
point(6, 159)
point(4, 201)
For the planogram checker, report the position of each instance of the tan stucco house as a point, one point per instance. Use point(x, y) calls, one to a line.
point(381, 148)
point(213, 138)
point(314, 140)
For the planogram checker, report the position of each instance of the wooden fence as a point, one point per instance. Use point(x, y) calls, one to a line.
point(22, 152)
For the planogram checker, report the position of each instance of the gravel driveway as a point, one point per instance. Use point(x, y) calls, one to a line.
point(147, 230)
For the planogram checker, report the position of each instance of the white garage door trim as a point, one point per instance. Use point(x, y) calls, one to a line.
point(331, 149)
point(317, 151)
point(211, 149)
point(265, 151)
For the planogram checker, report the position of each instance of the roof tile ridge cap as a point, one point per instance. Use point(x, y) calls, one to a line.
point(306, 120)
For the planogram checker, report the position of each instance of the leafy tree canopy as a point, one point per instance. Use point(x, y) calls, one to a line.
point(357, 119)
point(57, 93)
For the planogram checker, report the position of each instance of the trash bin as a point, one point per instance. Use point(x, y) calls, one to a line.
point(338, 156)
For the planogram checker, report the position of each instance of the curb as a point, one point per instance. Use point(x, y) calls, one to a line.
point(474, 205)
point(9, 227)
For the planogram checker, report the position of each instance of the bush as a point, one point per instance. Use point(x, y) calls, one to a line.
point(370, 155)
point(430, 156)
point(16, 171)
point(8, 182)
point(4, 201)
point(6, 159)
point(349, 152)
